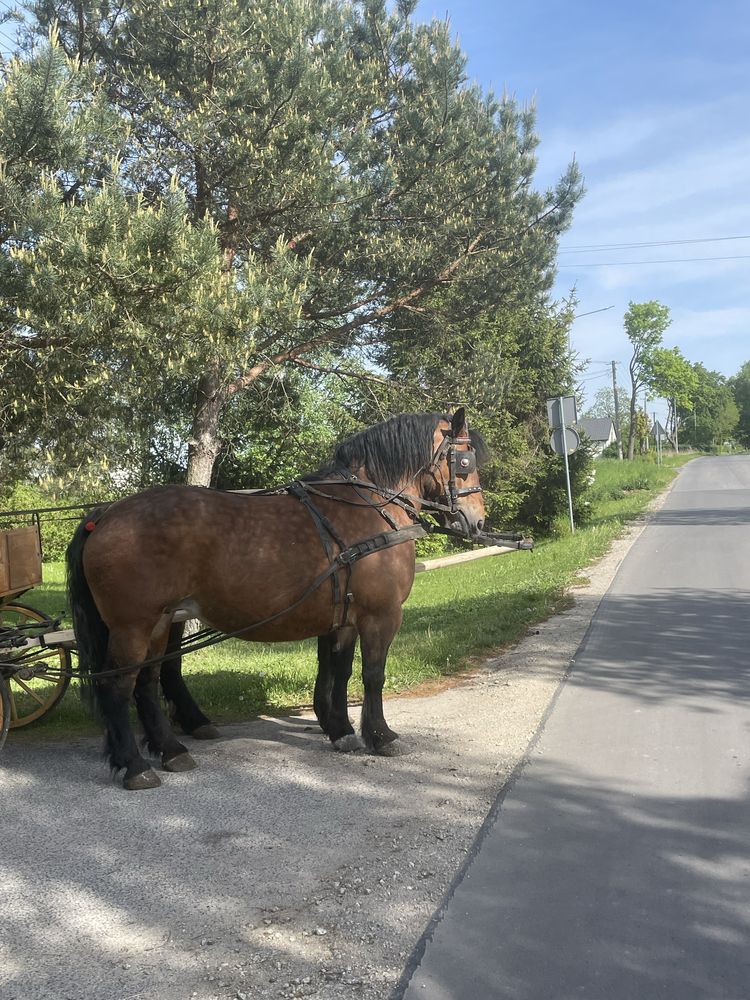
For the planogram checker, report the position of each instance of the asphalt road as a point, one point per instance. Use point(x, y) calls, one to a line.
point(617, 865)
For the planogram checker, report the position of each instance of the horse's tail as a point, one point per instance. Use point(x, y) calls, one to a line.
point(92, 635)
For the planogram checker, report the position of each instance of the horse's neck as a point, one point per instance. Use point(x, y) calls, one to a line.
point(409, 488)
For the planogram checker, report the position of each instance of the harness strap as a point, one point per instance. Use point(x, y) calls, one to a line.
point(390, 496)
point(400, 499)
point(327, 533)
point(385, 540)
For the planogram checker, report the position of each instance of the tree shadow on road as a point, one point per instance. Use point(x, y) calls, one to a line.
point(553, 909)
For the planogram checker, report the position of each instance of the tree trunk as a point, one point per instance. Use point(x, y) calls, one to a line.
point(631, 431)
point(204, 445)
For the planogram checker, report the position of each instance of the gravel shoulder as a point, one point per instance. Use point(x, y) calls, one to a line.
point(279, 868)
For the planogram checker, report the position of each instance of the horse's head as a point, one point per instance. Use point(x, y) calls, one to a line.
point(452, 479)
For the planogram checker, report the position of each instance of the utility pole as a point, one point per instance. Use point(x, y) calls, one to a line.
point(647, 445)
point(657, 436)
point(617, 410)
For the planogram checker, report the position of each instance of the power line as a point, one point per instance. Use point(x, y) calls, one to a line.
point(673, 260)
point(599, 364)
point(591, 313)
point(603, 247)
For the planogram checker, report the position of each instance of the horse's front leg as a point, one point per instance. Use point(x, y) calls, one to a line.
point(376, 636)
point(335, 656)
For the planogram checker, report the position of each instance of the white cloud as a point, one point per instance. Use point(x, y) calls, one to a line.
point(718, 338)
point(650, 133)
point(711, 324)
point(679, 190)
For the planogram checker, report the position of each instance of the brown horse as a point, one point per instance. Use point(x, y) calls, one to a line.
point(331, 555)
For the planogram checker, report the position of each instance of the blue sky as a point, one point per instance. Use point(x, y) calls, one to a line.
point(653, 100)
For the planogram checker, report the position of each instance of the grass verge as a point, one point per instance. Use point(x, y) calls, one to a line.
point(452, 614)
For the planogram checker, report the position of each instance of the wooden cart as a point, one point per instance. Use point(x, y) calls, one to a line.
point(33, 675)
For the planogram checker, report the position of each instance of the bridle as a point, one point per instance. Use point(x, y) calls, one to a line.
point(461, 464)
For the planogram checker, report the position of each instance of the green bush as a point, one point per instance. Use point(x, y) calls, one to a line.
point(432, 546)
point(56, 528)
point(545, 506)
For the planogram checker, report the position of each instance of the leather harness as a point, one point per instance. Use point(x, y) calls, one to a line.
point(460, 465)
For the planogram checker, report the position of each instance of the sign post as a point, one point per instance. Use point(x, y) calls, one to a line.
point(564, 440)
point(658, 431)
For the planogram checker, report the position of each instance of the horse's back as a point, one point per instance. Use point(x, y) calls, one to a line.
point(172, 543)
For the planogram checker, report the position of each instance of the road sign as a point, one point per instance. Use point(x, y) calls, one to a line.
point(572, 440)
point(561, 413)
point(569, 415)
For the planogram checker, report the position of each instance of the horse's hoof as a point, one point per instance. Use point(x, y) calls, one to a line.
point(392, 749)
point(348, 743)
point(182, 762)
point(206, 732)
point(146, 779)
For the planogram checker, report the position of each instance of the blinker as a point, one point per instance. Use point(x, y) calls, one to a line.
point(466, 463)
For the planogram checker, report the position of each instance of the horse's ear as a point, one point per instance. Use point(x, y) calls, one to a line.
point(458, 422)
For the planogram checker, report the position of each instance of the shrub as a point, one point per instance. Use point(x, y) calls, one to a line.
point(546, 503)
point(56, 529)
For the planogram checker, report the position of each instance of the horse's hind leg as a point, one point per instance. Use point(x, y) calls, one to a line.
point(113, 696)
point(159, 737)
point(185, 712)
point(335, 656)
point(376, 637)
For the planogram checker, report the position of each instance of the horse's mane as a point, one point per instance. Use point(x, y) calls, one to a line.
point(393, 450)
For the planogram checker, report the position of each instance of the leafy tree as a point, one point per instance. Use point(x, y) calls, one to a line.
point(302, 416)
point(712, 416)
point(645, 323)
point(642, 431)
point(603, 404)
point(670, 375)
point(287, 185)
point(740, 386)
point(502, 366)
point(544, 508)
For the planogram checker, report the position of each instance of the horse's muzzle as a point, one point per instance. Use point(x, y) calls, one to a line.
point(465, 522)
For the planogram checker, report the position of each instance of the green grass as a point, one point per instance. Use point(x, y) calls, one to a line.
point(452, 615)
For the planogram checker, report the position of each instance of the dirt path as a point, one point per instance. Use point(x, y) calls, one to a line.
point(278, 869)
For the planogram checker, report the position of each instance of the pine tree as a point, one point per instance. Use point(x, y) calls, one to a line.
point(306, 181)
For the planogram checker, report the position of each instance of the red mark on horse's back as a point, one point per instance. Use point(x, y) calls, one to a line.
point(90, 525)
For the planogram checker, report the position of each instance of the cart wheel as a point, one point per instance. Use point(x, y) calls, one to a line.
point(35, 694)
point(4, 709)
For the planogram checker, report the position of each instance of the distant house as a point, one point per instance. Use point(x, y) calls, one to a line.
point(600, 431)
